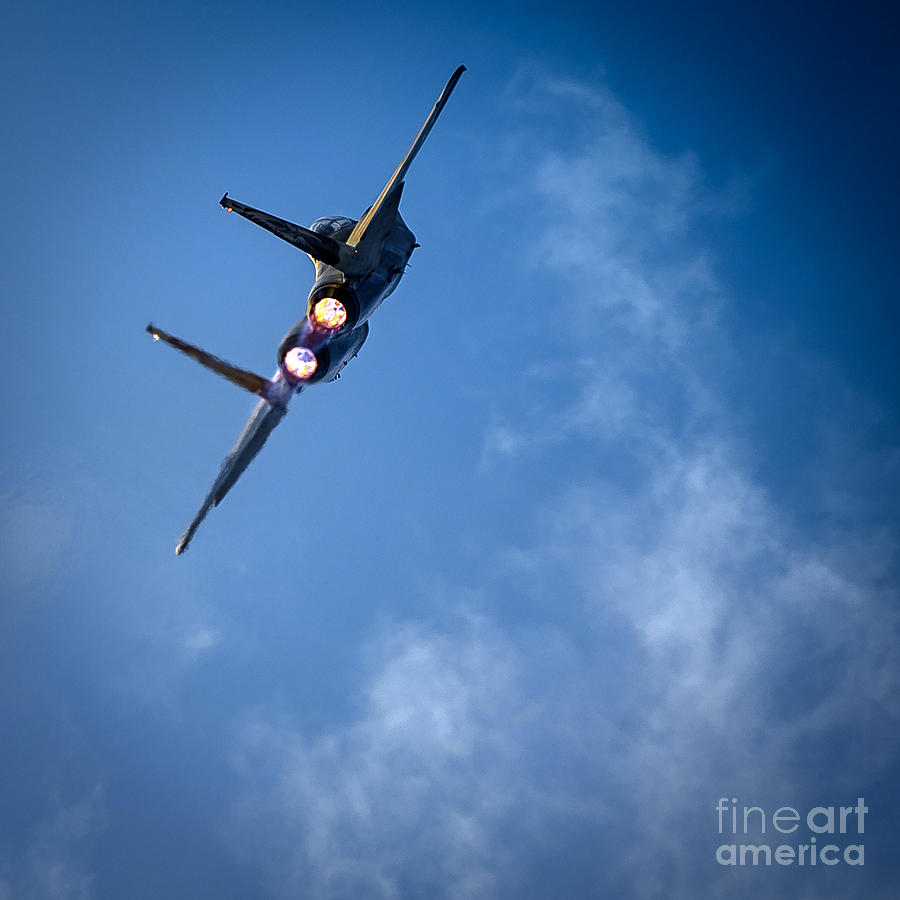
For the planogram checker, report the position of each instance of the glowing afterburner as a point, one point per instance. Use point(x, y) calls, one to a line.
point(301, 362)
point(330, 313)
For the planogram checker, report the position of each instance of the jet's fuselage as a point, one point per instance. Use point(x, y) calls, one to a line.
point(362, 294)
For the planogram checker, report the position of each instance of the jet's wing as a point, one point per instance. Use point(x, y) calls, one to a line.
point(366, 229)
point(261, 424)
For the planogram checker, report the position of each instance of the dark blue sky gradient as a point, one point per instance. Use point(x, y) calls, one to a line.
point(599, 527)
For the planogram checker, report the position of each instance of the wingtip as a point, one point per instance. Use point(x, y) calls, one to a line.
point(185, 539)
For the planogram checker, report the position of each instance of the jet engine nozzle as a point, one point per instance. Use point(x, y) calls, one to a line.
point(330, 313)
point(300, 363)
point(333, 307)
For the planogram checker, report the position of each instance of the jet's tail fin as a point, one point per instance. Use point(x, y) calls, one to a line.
point(366, 230)
point(249, 381)
point(380, 226)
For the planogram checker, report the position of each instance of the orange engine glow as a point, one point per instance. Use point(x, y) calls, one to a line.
point(330, 313)
point(301, 362)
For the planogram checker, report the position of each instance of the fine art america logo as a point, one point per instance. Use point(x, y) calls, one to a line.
point(829, 828)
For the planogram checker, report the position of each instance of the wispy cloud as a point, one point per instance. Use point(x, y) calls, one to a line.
point(731, 601)
point(54, 865)
point(423, 773)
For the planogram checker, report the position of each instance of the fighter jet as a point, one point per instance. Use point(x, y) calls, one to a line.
point(358, 264)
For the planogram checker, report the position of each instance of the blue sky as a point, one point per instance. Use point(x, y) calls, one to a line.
point(599, 528)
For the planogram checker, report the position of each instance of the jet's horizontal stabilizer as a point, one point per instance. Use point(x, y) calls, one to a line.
point(249, 381)
point(318, 246)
